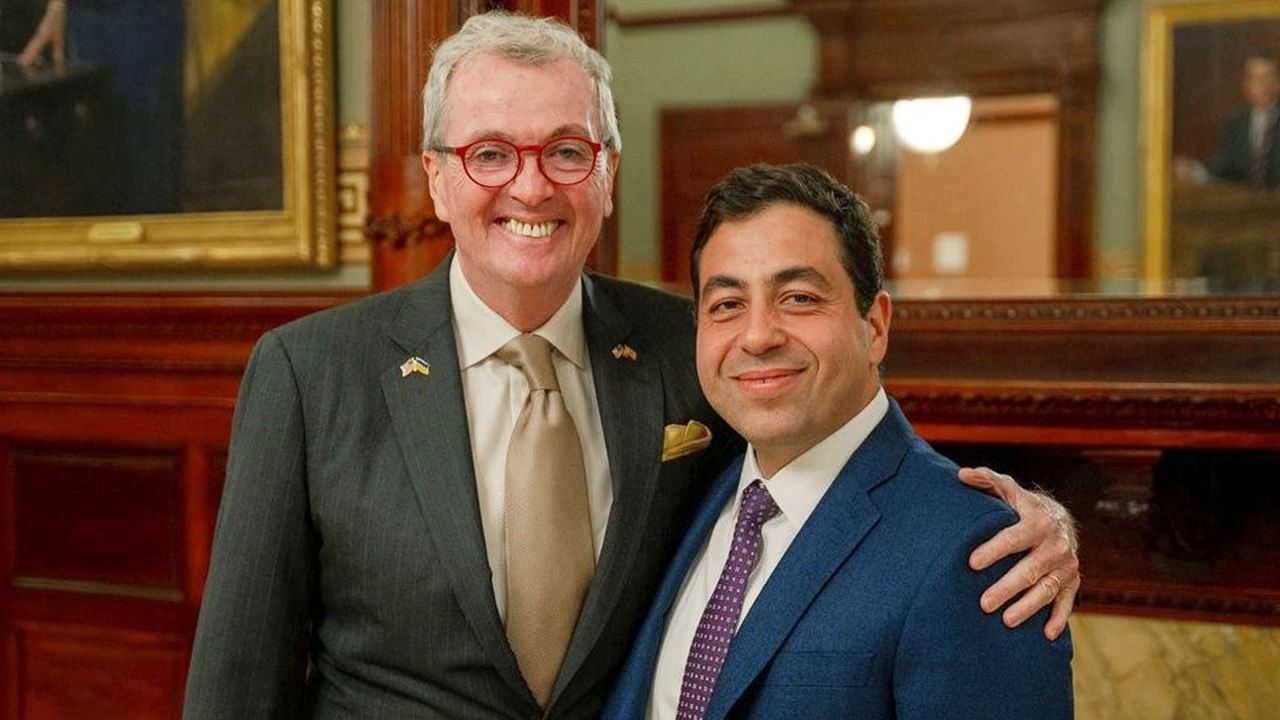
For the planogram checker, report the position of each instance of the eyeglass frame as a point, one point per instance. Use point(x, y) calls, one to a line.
point(461, 152)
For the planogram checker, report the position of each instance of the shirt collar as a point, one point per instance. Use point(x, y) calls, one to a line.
point(481, 332)
point(800, 484)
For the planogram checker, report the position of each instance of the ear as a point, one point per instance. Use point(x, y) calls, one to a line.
point(611, 173)
point(433, 165)
point(878, 317)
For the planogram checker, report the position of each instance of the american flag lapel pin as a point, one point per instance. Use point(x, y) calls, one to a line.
point(413, 365)
point(623, 351)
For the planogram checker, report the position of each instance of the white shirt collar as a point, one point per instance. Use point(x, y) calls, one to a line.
point(481, 331)
point(800, 484)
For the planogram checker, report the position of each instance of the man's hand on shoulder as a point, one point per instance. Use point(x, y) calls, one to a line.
point(1050, 571)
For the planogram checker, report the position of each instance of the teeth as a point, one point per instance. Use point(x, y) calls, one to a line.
point(533, 230)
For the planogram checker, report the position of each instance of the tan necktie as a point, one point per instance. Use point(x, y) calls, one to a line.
point(550, 555)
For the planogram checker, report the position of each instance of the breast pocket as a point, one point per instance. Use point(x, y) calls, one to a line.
point(819, 684)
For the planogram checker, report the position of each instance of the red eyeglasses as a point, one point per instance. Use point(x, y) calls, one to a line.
point(493, 163)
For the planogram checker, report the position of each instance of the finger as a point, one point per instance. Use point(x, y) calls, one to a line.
point(982, 478)
point(1062, 606)
point(993, 483)
point(1038, 596)
point(1010, 540)
point(1020, 577)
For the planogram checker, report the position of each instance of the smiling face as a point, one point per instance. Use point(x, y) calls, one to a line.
point(783, 354)
point(521, 246)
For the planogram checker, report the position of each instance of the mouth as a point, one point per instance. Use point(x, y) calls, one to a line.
point(766, 380)
point(529, 229)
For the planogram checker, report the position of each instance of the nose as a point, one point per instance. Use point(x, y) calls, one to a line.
point(530, 186)
point(762, 332)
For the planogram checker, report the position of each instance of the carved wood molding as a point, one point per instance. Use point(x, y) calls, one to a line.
point(941, 14)
point(127, 365)
point(690, 17)
point(1212, 604)
point(1082, 313)
point(155, 315)
point(400, 231)
point(1168, 372)
point(1125, 406)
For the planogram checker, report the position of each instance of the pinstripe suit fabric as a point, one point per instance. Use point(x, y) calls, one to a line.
point(349, 577)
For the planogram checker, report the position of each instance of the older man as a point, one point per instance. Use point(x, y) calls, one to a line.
point(825, 575)
point(455, 499)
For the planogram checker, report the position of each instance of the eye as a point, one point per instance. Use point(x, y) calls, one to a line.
point(799, 298)
point(489, 154)
point(724, 306)
point(569, 152)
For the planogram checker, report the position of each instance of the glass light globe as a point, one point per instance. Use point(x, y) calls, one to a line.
point(930, 125)
point(862, 140)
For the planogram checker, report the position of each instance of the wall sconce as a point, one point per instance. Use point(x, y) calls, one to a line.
point(931, 125)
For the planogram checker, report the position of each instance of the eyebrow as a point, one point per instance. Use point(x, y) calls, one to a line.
point(722, 282)
point(804, 273)
point(570, 129)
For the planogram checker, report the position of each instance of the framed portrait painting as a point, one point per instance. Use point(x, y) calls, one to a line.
point(164, 134)
point(1211, 144)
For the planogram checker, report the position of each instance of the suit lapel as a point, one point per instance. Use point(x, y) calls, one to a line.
point(644, 656)
point(839, 522)
point(629, 394)
point(430, 421)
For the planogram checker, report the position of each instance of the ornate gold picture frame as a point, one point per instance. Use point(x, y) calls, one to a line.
point(224, 157)
point(1209, 219)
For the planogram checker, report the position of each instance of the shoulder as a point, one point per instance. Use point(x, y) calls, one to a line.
point(352, 334)
point(642, 301)
point(1239, 120)
point(927, 497)
point(655, 317)
point(359, 321)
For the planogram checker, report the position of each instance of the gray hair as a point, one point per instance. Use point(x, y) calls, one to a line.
point(531, 40)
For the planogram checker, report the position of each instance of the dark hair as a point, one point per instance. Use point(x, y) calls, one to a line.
point(748, 190)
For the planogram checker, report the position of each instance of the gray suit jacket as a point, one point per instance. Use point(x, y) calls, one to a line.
point(349, 577)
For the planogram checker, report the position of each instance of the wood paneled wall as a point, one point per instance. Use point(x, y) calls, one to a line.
point(115, 414)
point(1156, 421)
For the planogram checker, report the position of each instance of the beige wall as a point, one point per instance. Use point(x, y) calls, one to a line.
point(994, 193)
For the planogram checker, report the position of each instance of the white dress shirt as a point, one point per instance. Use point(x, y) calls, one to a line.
point(495, 392)
point(1259, 121)
point(796, 488)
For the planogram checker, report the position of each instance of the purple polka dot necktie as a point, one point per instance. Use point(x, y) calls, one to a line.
point(719, 621)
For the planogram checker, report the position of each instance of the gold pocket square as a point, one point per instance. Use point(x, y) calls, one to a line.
point(680, 440)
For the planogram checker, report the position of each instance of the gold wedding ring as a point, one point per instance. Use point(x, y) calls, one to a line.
point(1056, 586)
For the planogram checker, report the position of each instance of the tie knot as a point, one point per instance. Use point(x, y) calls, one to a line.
point(758, 505)
point(531, 354)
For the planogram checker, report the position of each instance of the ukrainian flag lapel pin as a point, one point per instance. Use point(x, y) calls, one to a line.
point(623, 351)
point(413, 365)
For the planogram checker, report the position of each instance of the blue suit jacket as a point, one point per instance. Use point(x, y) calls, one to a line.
point(873, 611)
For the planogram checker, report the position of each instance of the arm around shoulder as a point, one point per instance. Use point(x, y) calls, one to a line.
point(955, 661)
point(249, 660)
